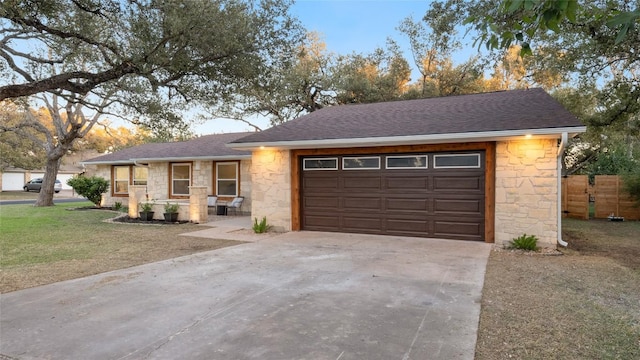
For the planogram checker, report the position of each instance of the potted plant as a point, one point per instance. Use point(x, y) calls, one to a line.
point(171, 212)
point(146, 211)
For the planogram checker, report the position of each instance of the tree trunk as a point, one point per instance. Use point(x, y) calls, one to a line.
point(45, 197)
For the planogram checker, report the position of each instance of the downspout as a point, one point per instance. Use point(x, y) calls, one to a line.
point(561, 147)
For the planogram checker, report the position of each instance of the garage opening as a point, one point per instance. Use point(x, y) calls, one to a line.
point(414, 194)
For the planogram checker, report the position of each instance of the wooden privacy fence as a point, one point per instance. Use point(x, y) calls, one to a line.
point(575, 196)
point(607, 193)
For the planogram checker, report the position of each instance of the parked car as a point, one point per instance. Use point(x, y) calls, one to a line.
point(36, 184)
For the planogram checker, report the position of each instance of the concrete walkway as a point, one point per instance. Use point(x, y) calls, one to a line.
point(299, 295)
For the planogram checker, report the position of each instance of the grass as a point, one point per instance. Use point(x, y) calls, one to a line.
point(581, 305)
point(18, 195)
point(41, 245)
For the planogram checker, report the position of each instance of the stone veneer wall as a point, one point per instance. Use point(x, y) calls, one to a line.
point(526, 191)
point(158, 185)
point(271, 187)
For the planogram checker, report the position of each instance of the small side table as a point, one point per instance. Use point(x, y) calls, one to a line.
point(221, 209)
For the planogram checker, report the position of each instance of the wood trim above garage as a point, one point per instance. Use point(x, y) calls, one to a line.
point(488, 147)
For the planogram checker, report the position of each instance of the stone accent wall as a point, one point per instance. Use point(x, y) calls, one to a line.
point(245, 185)
point(198, 204)
point(271, 187)
point(526, 191)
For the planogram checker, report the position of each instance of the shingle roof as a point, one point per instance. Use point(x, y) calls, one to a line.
point(208, 146)
point(485, 112)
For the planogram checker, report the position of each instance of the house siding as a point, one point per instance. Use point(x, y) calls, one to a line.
point(271, 187)
point(526, 191)
point(158, 180)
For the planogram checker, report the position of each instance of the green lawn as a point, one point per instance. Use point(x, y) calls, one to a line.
point(33, 235)
point(41, 245)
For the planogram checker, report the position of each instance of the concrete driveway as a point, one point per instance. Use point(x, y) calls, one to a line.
point(299, 295)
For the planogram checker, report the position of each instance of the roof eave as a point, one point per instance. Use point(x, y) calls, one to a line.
point(413, 139)
point(133, 161)
point(107, 162)
point(196, 158)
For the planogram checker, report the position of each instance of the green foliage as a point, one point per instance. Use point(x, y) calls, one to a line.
point(90, 187)
point(117, 206)
point(171, 207)
point(146, 206)
point(632, 185)
point(262, 226)
point(524, 242)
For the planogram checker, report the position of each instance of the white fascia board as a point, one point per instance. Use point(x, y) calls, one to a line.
point(174, 159)
point(113, 162)
point(548, 133)
point(193, 158)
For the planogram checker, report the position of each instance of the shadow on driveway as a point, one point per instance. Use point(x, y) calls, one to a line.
point(299, 295)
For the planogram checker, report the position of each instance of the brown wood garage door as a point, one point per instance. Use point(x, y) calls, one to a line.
point(428, 195)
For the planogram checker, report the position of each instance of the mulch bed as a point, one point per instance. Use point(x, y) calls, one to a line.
point(124, 218)
point(130, 220)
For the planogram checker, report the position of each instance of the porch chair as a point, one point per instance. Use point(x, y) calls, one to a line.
point(235, 204)
point(211, 203)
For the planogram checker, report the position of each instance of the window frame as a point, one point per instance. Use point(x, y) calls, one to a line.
point(425, 156)
point(115, 180)
point(476, 155)
point(304, 164)
point(217, 178)
point(361, 157)
point(171, 178)
point(134, 181)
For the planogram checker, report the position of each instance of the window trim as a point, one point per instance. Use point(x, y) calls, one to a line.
point(477, 155)
point(217, 178)
point(115, 180)
point(304, 164)
point(361, 157)
point(133, 175)
point(425, 156)
point(171, 179)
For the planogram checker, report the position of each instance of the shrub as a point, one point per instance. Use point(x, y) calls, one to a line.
point(117, 206)
point(524, 242)
point(632, 186)
point(170, 208)
point(262, 226)
point(90, 187)
point(145, 206)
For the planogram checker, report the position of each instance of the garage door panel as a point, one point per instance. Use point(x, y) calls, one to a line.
point(458, 183)
point(457, 229)
point(320, 182)
point(363, 183)
point(361, 224)
point(12, 181)
point(407, 226)
point(323, 202)
point(469, 206)
point(322, 221)
point(404, 204)
point(360, 203)
point(406, 184)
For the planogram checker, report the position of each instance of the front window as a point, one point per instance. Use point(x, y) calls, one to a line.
point(121, 179)
point(140, 175)
point(180, 179)
point(227, 179)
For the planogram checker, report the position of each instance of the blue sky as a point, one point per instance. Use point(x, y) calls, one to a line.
point(348, 26)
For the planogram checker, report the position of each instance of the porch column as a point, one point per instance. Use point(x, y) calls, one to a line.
point(136, 195)
point(198, 204)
